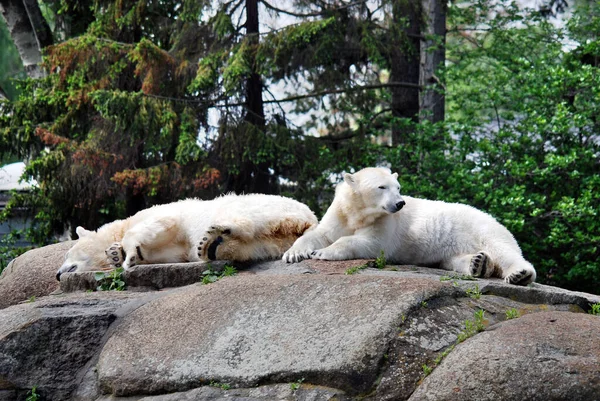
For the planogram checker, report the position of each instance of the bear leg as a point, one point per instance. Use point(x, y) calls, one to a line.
point(150, 235)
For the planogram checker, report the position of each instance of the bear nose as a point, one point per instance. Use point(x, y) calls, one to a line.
point(400, 204)
point(72, 268)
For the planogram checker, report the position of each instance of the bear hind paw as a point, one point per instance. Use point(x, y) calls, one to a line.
point(480, 265)
point(213, 237)
point(115, 255)
point(521, 277)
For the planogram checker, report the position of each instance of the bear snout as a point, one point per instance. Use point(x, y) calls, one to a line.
point(400, 205)
point(71, 269)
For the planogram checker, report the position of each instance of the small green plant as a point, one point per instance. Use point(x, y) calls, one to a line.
point(442, 355)
point(32, 394)
point(110, 281)
point(512, 313)
point(380, 262)
point(472, 327)
point(229, 270)
point(427, 370)
point(222, 386)
point(356, 269)
point(210, 275)
point(296, 385)
point(424, 304)
point(595, 309)
point(31, 299)
point(474, 292)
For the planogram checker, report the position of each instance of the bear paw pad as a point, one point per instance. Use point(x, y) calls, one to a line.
point(115, 255)
point(480, 265)
point(213, 237)
point(521, 277)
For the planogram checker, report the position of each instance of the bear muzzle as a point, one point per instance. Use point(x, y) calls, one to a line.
point(68, 269)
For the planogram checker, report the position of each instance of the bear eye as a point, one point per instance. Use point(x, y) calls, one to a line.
point(382, 187)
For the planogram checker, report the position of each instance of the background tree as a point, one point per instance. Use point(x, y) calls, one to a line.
point(148, 102)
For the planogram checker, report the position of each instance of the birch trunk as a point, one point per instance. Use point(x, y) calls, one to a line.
point(29, 31)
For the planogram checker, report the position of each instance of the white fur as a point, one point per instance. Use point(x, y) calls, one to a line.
point(361, 222)
point(259, 227)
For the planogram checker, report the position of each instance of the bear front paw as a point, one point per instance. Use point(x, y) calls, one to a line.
point(292, 256)
point(329, 254)
point(132, 257)
point(213, 237)
point(115, 255)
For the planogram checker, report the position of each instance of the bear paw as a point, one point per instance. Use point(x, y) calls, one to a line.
point(115, 255)
point(480, 265)
point(521, 277)
point(214, 236)
point(329, 253)
point(295, 256)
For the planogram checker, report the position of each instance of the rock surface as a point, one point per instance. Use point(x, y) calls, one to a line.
point(541, 356)
point(331, 330)
point(32, 274)
point(304, 331)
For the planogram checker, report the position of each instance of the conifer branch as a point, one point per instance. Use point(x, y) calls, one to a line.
point(346, 90)
point(314, 14)
point(212, 102)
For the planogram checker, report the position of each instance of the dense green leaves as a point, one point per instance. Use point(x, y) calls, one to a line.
point(151, 105)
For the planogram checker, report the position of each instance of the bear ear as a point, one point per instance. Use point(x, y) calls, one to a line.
point(395, 175)
point(349, 178)
point(82, 232)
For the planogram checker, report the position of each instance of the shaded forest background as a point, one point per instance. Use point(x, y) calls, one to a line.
point(137, 103)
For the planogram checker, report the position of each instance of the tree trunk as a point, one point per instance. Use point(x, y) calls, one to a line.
point(433, 56)
point(254, 177)
point(29, 31)
point(405, 64)
point(255, 113)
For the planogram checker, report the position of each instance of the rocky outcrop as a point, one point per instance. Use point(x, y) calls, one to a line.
point(543, 356)
point(32, 274)
point(304, 331)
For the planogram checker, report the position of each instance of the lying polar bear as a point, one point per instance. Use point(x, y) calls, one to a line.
point(368, 215)
point(238, 228)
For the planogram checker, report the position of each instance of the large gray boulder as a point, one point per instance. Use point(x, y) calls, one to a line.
point(541, 356)
point(48, 342)
point(32, 274)
point(304, 331)
point(329, 330)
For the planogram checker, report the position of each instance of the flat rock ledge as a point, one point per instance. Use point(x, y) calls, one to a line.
point(306, 331)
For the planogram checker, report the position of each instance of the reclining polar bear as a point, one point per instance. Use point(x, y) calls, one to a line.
point(237, 228)
point(368, 215)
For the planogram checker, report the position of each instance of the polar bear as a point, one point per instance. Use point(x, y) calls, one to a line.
point(368, 215)
point(231, 227)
